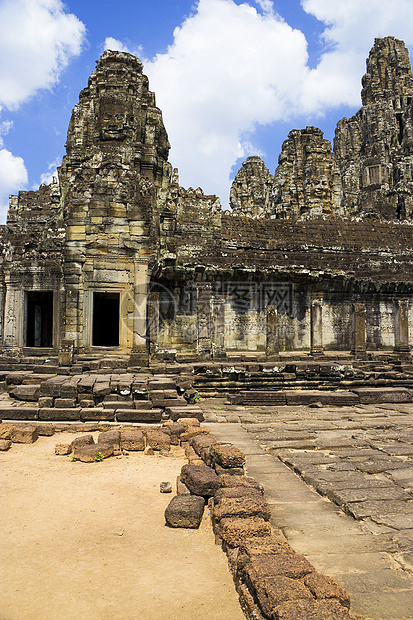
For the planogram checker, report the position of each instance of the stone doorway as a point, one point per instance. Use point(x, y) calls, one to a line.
point(39, 326)
point(105, 332)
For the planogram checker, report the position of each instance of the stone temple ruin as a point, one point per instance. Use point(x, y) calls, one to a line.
point(116, 261)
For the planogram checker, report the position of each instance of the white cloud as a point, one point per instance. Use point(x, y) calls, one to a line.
point(229, 68)
point(351, 28)
point(47, 177)
point(38, 39)
point(13, 176)
point(118, 46)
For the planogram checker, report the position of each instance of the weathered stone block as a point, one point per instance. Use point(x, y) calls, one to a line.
point(241, 481)
point(84, 440)
point(323, 587)
point(90, 413)
point(227, 455)
point(24, 434)
point(139, 415)
point(26, 392)
point(88, 454)
point(200, 479)
point(132, 440)
point(235, 531)
point(383, 395)
point(158, 440)
point(185, 511)
point(311, 610)
point(65, 403)
point(110, 437)
point(63, 449)
point(46, 401)
point(55, 414)
point(5, 444)
point(245, 506)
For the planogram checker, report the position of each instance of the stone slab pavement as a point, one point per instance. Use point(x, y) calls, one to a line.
point(340, 485)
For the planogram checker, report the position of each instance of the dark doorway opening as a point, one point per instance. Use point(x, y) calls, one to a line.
point(39, 319)
point(105, 320)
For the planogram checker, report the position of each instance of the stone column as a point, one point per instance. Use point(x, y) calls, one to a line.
point(153, 321)
point(140, 355)
point(204, 320)
point(317, 325)
point(359, 326)
point(402, 326)
point(218, 327)
point(272, 345)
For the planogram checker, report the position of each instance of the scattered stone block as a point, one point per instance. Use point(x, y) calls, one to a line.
point(158, 440)
point(227, 455)
point(45, 430)
point(88, 454)
point(165, 487)
point(109, 437)
point(181, 488)
point(85, 440)
point(193, 431)
point(185, 511)
point(323, 587)
point(312, 610)
point(245, 506)
point(5, 444)
point(200, 479)
point(24, 434)
point(63, 449)
point(6, 431)
point(233, 471)
point(199, 442)
point(240, 481)
point(29, 393)
point(234, 530)
point(132, 440)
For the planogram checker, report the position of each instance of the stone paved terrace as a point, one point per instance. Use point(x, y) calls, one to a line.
point(340, 484)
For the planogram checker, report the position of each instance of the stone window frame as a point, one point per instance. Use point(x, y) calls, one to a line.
point(373, 175)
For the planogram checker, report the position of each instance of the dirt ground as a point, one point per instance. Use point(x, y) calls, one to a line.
point(89, 541)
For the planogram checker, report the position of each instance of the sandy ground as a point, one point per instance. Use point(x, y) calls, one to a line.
point(89, 541)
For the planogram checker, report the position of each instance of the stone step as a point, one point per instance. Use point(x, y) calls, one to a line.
point(374, 395)
point(139, 415)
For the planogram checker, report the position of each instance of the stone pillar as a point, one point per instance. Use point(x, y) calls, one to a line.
point(401, 344)
point(272, 345)
point(12, 337)
point(218, 327)
point(140, 355)
point(317, 325)
point(66, 352)
point(153, 321)
point(204, 320)
point(359, 326)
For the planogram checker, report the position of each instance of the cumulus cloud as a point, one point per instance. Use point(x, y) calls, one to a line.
point(229, 68)
point(13, 173)
point(350, 30)
point(38, 38)
point(118, 46)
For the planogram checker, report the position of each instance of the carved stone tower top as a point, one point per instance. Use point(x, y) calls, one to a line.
point(117, 119)
point(388, 71)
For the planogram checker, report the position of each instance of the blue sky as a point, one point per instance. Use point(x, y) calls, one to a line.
point(231, 77)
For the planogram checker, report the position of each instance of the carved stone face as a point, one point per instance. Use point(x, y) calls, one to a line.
point(113, 120)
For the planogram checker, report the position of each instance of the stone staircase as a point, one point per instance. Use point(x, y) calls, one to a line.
point(106, 389)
